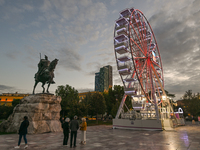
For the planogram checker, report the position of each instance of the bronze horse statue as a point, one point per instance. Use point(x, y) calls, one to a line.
point(45, 73)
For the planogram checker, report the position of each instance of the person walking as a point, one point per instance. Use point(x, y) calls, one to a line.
point(66, 131)
point(83, 128)
point(23, 131)
point(74, 126)
point(62, 120)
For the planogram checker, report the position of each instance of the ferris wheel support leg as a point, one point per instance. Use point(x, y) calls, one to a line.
point(121, 106)
point(156, 107)
point(167, 100)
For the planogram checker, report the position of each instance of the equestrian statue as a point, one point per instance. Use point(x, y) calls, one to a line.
point(45, 73)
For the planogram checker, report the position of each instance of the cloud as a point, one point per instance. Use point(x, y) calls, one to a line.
point(28, 7)
point(82, 90)
point(177, 35)
point(69, 59)
point(5, 88)
point(2, 2)
point(14, 12)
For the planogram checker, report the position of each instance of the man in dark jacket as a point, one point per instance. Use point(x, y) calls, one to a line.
point(23, 131)
point(74, 126)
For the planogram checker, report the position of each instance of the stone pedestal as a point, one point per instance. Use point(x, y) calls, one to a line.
point(42, 110)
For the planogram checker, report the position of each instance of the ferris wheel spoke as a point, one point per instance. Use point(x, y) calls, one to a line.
point(138, 22)
point(136, 34)
point(156, 64)
point(145, 38)
point(143, 30)
point(142, 69)
point(142, 25)
point(157, 71)
point(137, 46)
point(157, 89)
point(134, 72)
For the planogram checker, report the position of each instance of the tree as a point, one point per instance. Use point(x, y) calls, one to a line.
point(192, 103)
point(113, 99)
point(188, 94)
point(5, 111)
point(70, 101)
point(85, 103)
point(97, 104)
point(16, 102)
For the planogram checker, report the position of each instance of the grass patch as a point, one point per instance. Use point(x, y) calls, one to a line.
point(100, 122)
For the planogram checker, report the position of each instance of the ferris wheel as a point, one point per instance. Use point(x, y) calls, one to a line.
point(140, 68)
point(137, 56)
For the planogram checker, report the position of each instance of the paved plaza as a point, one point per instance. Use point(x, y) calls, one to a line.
point(105, 138)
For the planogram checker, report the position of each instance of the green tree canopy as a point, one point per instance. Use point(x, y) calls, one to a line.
point(192, 103)
point(97, 104)
point(113, 99)
point(15, 102)
point(70, 101)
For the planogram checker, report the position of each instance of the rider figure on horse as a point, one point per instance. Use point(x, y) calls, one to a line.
point(45, 73)
point(43, 68)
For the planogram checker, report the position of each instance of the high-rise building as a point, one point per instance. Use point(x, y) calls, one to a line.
point(103, 79)
point(97, 87)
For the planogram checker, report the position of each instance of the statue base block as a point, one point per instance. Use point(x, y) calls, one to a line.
point(42, 110)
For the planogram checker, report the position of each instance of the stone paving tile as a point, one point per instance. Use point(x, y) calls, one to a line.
point(105, 138)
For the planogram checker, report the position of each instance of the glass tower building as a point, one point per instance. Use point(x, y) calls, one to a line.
point(103, 79)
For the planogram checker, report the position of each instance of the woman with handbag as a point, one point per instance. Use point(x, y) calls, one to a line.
point(83, 128)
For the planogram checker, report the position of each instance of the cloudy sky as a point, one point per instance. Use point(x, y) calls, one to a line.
point(80, 34)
